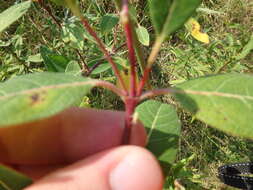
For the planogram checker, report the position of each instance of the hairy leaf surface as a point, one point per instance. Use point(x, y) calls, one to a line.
point(222, 101)
point(36, 96)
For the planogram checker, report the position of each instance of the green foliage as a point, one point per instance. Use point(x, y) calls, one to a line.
point(228, 23)
point(12, 14)
point(169, 15)
point(74, 35)
point(35, 96)
point(12, 180)
point(163, 128)
point(73, 68)
point(53, 62)
point(247, 49)
point(143, 35)
point(102, 67)
point(108, 22)
point(181, 175)
point(72, 4)
point(222, 101)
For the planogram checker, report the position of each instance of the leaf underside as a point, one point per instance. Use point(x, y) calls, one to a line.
point(222, 101)
point(36, 96)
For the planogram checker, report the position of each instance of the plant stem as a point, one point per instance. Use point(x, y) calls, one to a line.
point(105, 51)
point(130, 101)
point(48, 10)
point(84, 65)
point(111, 87)
point(138, 49)
point(156, 92)
point(131, 53)
point(130, 104)
point(102, 60)
point(151, 60)
point(136, 43)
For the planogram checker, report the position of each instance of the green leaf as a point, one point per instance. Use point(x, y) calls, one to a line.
point(163, 128)
point(12, 14)
point(133, 13)
point(108, 22)
point(35, 58)
point(103, 66)
point(12, 180)
point(169, 15)
point(74, 34)
point(247, 49)
point(52, 61)
point(222, 101)
point(143, 35)
point(118, 4)
point(35, 96)
point(73, 68)
point(5, 43)
point(71, 4)
point(209, 11)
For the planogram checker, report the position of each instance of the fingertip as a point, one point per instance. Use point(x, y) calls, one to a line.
point(137, 170)
point(122, 168)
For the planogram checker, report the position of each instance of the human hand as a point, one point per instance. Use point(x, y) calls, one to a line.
point(77, 149)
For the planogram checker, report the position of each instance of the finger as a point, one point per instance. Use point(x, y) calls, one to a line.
point(66, 137)
point(123, 168)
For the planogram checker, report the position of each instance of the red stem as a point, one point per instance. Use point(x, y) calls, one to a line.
point(131, 53)
point(104, 50)
point(151, 60)
point(130, 104)
point(111, 87)
point(143, 81)
point(102, 60)
point(156, 92)
point(84, 65)
point(131, 101)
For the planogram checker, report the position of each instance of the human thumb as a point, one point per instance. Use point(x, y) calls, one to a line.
point(121, 168)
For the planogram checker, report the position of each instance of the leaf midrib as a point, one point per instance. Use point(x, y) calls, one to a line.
point(154, 122)
point(219, 94)
point(171, 11)
point(59, 86)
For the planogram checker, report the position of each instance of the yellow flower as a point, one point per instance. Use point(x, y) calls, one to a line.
point(193, 27)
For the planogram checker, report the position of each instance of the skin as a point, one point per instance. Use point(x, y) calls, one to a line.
point(72, 150)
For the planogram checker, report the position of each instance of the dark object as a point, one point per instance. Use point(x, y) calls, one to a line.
point(232, 174)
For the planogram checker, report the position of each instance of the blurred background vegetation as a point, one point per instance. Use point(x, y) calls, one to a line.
point(229, 24)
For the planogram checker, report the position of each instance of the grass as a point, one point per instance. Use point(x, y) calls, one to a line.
point(183, 58)
point(229, 26)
